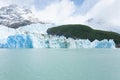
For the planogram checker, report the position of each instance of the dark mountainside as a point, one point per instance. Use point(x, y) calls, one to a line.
point(84, 32)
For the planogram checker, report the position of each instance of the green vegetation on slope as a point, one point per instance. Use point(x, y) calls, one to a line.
point(83, 32)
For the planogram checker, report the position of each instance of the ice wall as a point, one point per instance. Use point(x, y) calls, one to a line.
point(48, 41)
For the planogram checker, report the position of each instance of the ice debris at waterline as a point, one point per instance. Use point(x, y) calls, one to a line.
point(47, 41)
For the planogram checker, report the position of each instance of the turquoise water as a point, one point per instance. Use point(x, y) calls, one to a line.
point(59, 64)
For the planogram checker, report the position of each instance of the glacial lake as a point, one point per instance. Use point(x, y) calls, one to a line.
point(59, 64)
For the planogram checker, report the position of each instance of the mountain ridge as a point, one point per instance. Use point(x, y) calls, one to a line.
point(14, 16)
point(83, 32)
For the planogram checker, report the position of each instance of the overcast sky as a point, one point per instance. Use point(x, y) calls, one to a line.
point(71, 11)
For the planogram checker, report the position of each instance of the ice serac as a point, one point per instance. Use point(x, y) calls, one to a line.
point(35, 40)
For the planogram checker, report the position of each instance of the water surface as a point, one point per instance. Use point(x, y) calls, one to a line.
point(59, 64)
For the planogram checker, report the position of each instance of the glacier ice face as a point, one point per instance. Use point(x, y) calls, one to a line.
point(31, 37)
point(105, 44)
point(47, 41)
point(17, 41)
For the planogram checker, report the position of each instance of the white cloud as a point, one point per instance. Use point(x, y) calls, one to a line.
point(107, 10)
point(63, 11)
point(60, 11)
point(57, 12)
point(4, 3)
point(26, 3)
point(99, 7)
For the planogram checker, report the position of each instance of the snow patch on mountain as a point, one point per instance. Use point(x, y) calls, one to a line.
point(15, 17)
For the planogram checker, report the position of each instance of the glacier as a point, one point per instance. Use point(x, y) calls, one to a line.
point(17, 41)
point(48, 41)
point(31, 37)
point(20, 28)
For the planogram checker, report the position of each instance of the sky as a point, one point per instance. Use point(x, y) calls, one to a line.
point(71, 11)
point(63, 11)
point(56, 11)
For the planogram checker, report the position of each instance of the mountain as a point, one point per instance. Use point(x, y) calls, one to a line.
point(14, 17)
point(20, 20)
point(19, 28)
point(83, 32)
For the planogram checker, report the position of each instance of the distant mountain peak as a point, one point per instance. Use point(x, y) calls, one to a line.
point(14, 16)
point(14, 9)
